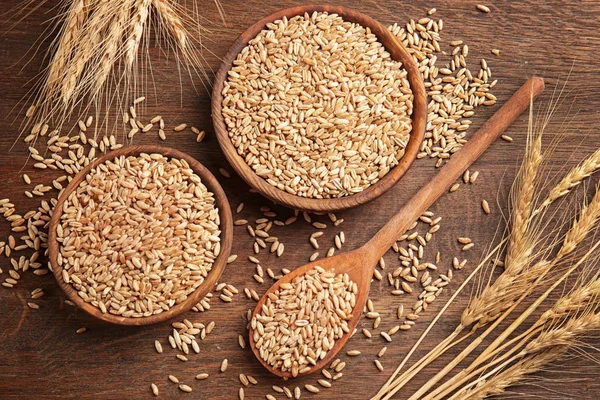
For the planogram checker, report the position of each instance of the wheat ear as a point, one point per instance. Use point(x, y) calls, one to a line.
point(112, 42)
point(498, 383)
point(499, 296)
point(518, 250)
point(577, 300)
point(572, 179)
point(74, 21)
point(94, 27)
point(140, 17)
point(172, 22)
point(588, 217)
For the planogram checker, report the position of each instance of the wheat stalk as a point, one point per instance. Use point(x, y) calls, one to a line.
point(100, 39)
point(537, 346)
point(579, 230)
point(501, 295)
point(498, 300)
point(498, 383)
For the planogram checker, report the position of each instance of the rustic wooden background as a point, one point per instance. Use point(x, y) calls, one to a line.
point(41, 356)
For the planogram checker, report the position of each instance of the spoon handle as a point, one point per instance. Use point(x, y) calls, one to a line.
point(455, 167)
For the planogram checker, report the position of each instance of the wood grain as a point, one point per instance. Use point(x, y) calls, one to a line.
point(419, 116)
point(42, 357)
point(356, 263)
point(211, 183)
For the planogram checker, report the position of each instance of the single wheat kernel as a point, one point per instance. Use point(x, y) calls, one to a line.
point(485, 206)
point(185, 388)
point(311, 388)
point(468, 246)
point(224, 172)
point(483, 8)
point(158, 346)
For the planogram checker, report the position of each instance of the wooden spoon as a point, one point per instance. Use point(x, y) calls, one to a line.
point(359, 263)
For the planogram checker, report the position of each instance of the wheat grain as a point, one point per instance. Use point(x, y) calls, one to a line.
point(154, 389)
point(185, 388)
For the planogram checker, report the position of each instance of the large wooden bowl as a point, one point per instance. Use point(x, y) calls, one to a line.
point(214, 274)
point(419, 115)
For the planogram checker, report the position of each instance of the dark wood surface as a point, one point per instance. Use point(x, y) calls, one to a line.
point(226, 219)
point(41, 356)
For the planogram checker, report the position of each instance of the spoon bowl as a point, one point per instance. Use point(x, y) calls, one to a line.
point(226, 226)
point(359, 263)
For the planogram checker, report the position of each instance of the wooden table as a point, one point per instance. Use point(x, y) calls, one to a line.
point(42, 357)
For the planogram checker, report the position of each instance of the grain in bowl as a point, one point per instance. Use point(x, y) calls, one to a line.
point(301, 320)
point(138, 235)
point(316, 106)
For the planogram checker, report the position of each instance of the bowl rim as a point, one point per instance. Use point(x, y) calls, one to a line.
point(226, 226)
point(418, 117)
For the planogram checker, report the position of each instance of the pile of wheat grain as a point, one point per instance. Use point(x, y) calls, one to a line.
point(138, 235)
point(317, 107)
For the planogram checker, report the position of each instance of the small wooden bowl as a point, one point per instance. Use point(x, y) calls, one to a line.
point(214, 274)
point(419, 115)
